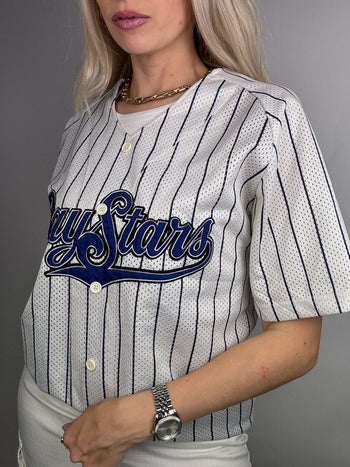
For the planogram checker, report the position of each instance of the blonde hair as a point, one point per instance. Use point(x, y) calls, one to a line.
point(227, 34)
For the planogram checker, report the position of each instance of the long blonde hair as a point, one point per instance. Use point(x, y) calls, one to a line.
point(227, 34)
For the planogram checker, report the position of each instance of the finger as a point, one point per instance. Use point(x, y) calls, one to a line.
point(66, 426)
point(76, 455)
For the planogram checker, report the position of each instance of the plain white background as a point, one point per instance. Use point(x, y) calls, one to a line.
point(304, 424)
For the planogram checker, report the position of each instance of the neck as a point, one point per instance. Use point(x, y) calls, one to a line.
point(162, 72)
point(165, 70)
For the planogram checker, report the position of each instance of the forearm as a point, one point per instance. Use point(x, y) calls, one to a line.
point(282, 353)
point(103, 434)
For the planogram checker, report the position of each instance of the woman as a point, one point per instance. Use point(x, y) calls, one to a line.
point(176, 221)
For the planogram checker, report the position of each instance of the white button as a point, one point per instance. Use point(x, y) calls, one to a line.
point(101, 209)
point(126, 147)
point(95, 287)
point(90, 364)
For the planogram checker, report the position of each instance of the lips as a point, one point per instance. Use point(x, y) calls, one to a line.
point(129, 19)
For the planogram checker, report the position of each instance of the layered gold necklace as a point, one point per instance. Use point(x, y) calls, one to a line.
point(124, 94)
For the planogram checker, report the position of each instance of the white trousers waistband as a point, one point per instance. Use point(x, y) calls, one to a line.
point(41, 417)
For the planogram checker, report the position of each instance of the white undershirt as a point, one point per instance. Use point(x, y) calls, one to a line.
point(134, 121)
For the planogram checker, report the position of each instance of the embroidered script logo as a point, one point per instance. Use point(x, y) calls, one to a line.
point(90, 252)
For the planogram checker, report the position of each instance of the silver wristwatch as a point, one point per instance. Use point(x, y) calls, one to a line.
point(168, 424)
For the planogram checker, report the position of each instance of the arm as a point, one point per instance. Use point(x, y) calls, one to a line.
point(282, 352)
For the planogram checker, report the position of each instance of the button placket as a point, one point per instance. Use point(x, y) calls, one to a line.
point(126, 146)
point(101, 209)
point(90, 364)
point(95, 287)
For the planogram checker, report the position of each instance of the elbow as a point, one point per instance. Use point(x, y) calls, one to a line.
point(311, 342)
point(310, 364)
point(309, 359)
point(298, 344)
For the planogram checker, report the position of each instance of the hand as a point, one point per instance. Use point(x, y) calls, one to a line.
point(103, 433)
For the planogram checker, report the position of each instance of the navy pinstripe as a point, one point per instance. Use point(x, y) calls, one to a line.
point(98, 162)
point(260, 260)
point(281, 267)
point(84, 121)
point(68, 361)
point(33, 330)
point(313, 214)
point(189, 110)
point(103, 346)
point(119, 343)
point(87, 158)
point(86, 346)
point(176, 329)
point(296, 243)
point(48, 338)
point(151, 152)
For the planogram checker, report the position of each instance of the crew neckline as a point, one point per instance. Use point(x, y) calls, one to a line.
point(140, 113)
point(172, 107)
point(133, 122)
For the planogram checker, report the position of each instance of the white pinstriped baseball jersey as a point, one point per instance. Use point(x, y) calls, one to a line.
point(165, 245)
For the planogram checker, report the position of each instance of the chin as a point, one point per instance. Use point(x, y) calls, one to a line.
point(136, 48)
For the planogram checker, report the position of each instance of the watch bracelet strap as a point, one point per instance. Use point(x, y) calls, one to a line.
point(162, 401)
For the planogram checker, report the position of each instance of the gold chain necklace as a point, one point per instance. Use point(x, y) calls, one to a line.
point(124, 94)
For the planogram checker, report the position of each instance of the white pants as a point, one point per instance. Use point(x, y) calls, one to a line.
point(41, 417)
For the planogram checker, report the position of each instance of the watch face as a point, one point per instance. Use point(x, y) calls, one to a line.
point(168, 428)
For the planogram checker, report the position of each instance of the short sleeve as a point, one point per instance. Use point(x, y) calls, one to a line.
point(299, 257)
